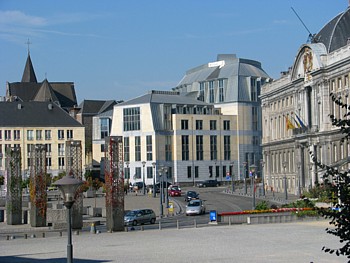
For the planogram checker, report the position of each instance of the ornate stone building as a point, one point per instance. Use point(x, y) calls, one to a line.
point(296, 110)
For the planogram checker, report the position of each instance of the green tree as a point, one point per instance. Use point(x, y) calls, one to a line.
point(337, 182)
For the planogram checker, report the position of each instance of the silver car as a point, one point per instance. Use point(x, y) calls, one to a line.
point(139, 216)
point(195, 207)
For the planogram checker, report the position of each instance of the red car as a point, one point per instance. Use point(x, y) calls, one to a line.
point(174, 190)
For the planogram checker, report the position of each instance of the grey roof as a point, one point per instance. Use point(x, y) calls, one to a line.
point(160, 97)
point(93, 107)
point(335, 33)
point(46, 93)
point(35, 114)
point(29, 74)
point(233, 66)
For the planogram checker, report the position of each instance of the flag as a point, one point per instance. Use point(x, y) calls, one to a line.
point(300, 121)
point(296, 122)
point(289, 124)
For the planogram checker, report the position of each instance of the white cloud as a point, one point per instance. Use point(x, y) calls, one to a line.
point(21, 19)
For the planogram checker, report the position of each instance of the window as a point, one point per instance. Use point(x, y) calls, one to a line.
point(199, 147)
point(196, 171)
point(168, 152)
point(69, 134)
point(201, 91)
point(48, 162)
point(138, 173)
point(253, 92)
point(184, 124)
point(61, 149)
point(210, 171)
point(212, 125)
point(149, 147)
point(104, 127)
point(213, 147)
point(47, 134)
point(221, 90)
point(131, 119)
point(167, 117)
point(199, 125)
point(254, 118)
point(61, 162)
point(126, 149)
point(185, 147)
point(149, 172)
point(17, 135)
point(0, 134)
point(38, 135)
point(48, 149)
point(227, 147)
point(211, 91)
point(102, 148)
point(60, 134)
point(217, 171)
point(127, 173)
point(226, 125)
point(189, 171)
point(137, 148)
point(30, 135)
point(7, 135)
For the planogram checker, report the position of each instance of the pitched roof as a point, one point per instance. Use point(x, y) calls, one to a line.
point(35, 114)
point(46, 93)
point(29, 74)
point(94, 107)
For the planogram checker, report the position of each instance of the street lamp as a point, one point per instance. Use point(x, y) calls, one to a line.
point(262, 176)
point(299, 177)
point(160, 170)
point(244, 175)
point(154, 179)
point(285, 180)
point(252, 170)
point(165, 169)
point(143, 177)
point(68, 186)
point(232, 177)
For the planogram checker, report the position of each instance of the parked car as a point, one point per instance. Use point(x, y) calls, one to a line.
point(190, 195)
point(195, 207)
point(174, 190)
point(139, 216)
point(165, 185)
point(208, 183)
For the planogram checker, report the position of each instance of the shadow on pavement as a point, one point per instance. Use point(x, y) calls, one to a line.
point(18, 259)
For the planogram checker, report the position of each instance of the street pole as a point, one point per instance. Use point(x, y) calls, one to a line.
point(262, 176)
point(299, 177)
point(154, 180)
point(232, 177)
point(69, 244)
point(161, 193)
point(143, 178)
point(252, 170)
point(285, 180)
point(167, 193)
point(244, 177)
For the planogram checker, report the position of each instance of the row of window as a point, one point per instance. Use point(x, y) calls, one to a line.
point(48, 148)
point(149, 148)
point(199, 125)
point(214, 171)
point(149, 173)
point(8, 135)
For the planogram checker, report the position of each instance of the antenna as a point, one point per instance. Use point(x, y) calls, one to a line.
point(311, 36)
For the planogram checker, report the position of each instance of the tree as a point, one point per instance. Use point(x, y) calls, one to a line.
point(338, 181)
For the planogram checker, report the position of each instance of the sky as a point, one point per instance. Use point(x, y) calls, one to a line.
point(121, 49)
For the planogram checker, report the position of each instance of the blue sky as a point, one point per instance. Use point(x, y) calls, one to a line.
point(120, 49)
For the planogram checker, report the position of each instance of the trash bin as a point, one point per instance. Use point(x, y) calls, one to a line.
point(212, 216)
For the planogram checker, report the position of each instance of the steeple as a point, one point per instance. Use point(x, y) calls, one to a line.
point(29, 74)
point(46, 93)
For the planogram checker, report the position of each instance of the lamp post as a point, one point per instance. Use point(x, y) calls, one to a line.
point(68, 186)
point(165, 169)
point(262, 176)
point(161, 192)
point(244, 175)
point(128, 174)
point(285, 181)
point(154, 179)
point(143, 177)
point(299, 177)
point(232, 177)
point(252, 170)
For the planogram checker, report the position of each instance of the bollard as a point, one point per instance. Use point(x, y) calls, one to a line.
point(25, 236)
point(60, 233)
point(195, 223)
point(7, 237)
point(177, 224)
point(160, 225)
point(93, 228)
point(43, 235)
point(142, 228)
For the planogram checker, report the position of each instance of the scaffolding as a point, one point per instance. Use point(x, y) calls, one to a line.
point(114, 181)
point(37, 185)
point(74, 168)
point(14, 186)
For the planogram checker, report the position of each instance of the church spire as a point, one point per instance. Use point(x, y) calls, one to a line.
point(29, 74)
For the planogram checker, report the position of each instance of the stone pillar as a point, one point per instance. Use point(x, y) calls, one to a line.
point(114, 180)
point(38, 194)
point(14, 186)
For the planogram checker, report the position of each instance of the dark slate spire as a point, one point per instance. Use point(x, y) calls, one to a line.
point(29, 74)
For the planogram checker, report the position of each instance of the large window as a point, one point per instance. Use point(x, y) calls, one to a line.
point(126, 149)
point(60, 134)
point(213, 147)
point(184, 124)
point(47, 134)
point(17, 134)
point(104, 127)
point(69, 134)
point(131, 119)
point(149, 147)
point(138, 173)
point(227, 148)
point(137, 148)
point(226, 125)
point(254, 118)
point(149, 172)
point(189, 171)
point(201, 91)
point(61, 149)
point(199, 125)
point(211, 91)
point(30, 135)
point(199, 147)
point(212, 125)
point(7, 135)
point(185, 147)
point(221, 90)
point(168, 152)
point(38, 134)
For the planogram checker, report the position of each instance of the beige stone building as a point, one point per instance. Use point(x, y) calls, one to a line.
point(296, 110)
point(23, 124)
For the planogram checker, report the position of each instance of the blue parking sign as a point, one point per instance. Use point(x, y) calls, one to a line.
point(212, 215)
